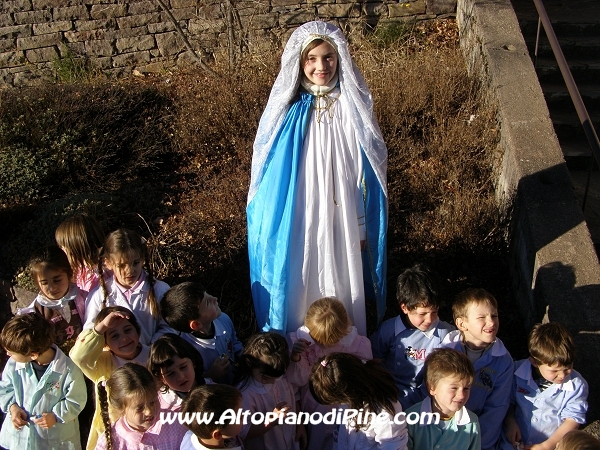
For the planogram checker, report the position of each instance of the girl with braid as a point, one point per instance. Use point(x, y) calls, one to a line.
point(131, 283)
point(133, 400)
point(116, 328)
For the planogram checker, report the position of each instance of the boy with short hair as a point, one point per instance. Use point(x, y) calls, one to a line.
point(212, 399)
point(42, 391)
point(548, 397)
point(195, 315)
point(404, 342)
point(475, 314)
point(448, 377)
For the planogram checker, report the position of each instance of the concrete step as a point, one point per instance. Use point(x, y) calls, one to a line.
point(573, 47)
point(583, 70)
point(561, 28)
point(557, 97)
point(592, 203)
point(567, 125)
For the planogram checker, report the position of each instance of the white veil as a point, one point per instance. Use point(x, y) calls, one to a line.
point(355, 99)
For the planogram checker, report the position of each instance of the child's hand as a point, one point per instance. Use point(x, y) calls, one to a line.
point(299, 347)
point(219, 368)
point(513, 432)
point(301, 436)
point(18, 416)
point(110, 321)
point(48, 420)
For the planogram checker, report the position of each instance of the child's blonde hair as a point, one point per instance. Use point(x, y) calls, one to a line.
point(447, 362)
point(123, 242)
point(126, 384)
point(81, 237)
point(327, 321)
point(578, 440)
point(477, 296)
point(550, 344)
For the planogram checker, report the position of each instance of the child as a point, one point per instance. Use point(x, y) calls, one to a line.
point(133, 399)
point(448, 377)
point(265, 388)
point(475, 314)
point(178, 366)
point(81, 238)
point(116, 328)
point(212, 399)
point(578, 440)
point(327, 329)
point(59, 301)
point(41, 389)
point(365, 386)
point(404, 342)
point(195, 314)
point(131, 283)
point(318, 195)
point(549, 397)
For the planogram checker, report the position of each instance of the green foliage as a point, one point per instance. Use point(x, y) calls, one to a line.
point(391, 33)
point(70, 68)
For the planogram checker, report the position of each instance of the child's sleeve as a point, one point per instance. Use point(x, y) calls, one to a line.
point(382, 340)
point(74, 396)
point(575, 405)
point(92, 307)
point(89, 355)
point(7, 389)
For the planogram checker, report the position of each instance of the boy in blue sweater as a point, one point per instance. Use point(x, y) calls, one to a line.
point(404, 342)
point(475, 314)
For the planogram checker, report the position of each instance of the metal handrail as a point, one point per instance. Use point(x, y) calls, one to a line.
point(584, 117)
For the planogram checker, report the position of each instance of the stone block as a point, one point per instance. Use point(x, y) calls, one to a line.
point(284, 3)
point(12, 59)
point(143, 7)
point(406, 8)
point(100, 24)
point(44, 40)
point(210, 12)
point(180, 14)
point(72, 48)
point(52, 27)
point(7, 45)
point(16, 31)
point(161, 27)
point(6, 20)
point(89, 35)
point(260, 21)
point(43, 54)
point(49, 4)
point(198, 27)
point(375, 9)
point(103, 62)
point(131, 59)
point(336, 10)
point(78, 12)
point(157, 66)
point(99, 48)
point(135, 44)
point(28, 77)
point(169, 44)
point(33, 16)
point(118, 72)
point(108, 11)
point(176, 4)
point(11, 6)
point(126, 33)
point(251, 8)
point(138, 20)
point(441, 6)
point(297, 17)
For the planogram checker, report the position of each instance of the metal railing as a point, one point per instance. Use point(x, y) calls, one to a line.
point(584, 117)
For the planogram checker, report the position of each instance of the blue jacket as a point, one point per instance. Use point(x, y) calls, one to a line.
point(489, 397)
point(404, 351)
point(60, 390)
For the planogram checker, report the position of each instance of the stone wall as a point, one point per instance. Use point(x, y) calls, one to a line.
point(117, 37)
point(554, 268)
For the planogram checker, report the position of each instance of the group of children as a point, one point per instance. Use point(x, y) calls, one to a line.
point(147, 349)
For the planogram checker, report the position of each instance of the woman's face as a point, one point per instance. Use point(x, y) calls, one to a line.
point(321, 64)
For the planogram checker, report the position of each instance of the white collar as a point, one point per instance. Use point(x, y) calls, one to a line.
point(316, 89)
point(400, 327)
point(461, 417)
point(524, 372)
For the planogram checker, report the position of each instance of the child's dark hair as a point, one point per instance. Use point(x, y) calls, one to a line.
point(345, 378)
point(447, 362)
point(211, 398)
point(26, 334)
point(104, 312)
point(416, 287)
point(130, 380)
point(82, 237)
point(123, 241)
point(310, 46)
point(49, 257)
point(550, 344)
point(168, 346)
point(181, 305)
point(269, 352)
